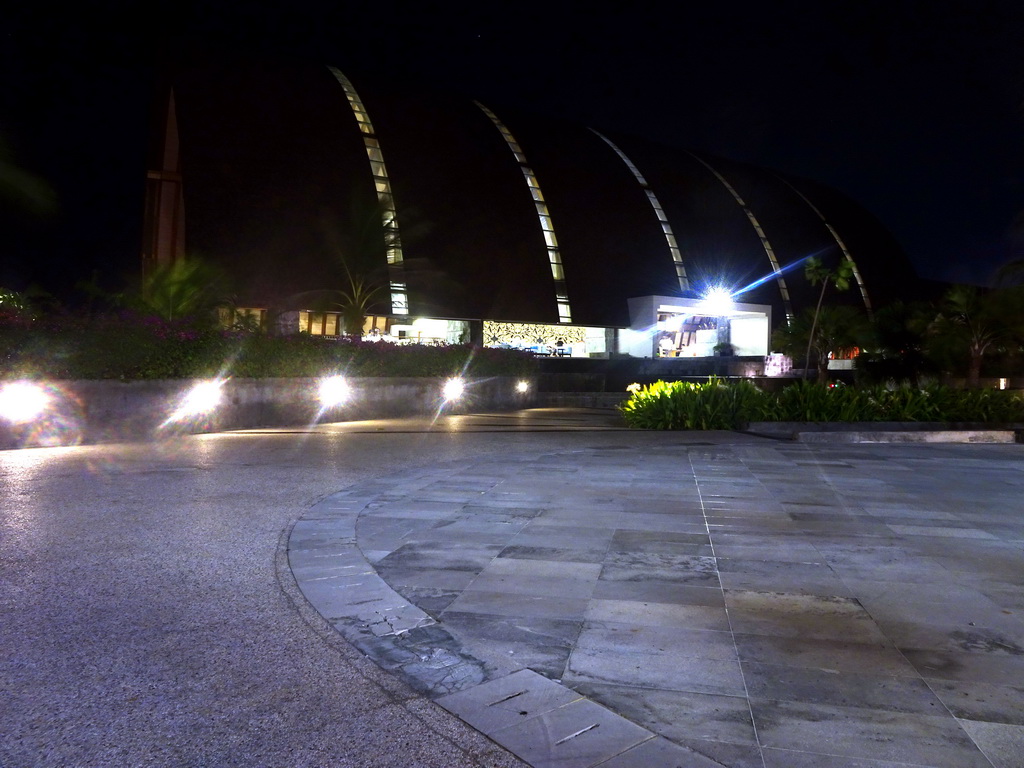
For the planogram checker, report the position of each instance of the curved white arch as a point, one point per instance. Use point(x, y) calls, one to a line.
point(772, 258)
point(546, 225)
point(666, 228)
point(396, 272)
point(839, 241)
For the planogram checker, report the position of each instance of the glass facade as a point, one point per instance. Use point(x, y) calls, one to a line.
point(546, 225)
point(392, 243)
point(320, 323)
point(666, 228)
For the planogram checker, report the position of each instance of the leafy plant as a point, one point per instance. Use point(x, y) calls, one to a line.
point(830, 331)
point(132, 346)
point(714, 404)
point(974, 324)
point(896, 345)
point(816, 272)
point(185, 288)
point(717, 404)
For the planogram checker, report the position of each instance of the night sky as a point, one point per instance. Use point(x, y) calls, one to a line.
point(914, 109)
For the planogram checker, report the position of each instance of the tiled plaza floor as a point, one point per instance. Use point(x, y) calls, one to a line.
point(740, 603)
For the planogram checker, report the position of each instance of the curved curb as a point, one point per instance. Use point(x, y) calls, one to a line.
point(537, 719)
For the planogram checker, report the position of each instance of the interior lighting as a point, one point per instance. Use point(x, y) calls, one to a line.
point(22, 401)
point(201, 399)
point(717, 302)
point(523, 387)
point(334, 390)
point(453, 389)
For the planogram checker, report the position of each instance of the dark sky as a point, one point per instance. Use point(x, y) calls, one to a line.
point(914, 109)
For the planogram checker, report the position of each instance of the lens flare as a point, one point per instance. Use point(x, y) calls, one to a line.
point(200, 400)
point(453, 389)
point(717, 301)
point(22, 402)
point(334, 391)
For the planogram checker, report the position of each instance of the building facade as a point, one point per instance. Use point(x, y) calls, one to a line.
point(475, 222)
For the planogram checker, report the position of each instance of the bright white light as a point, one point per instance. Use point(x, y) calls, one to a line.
point(717, 302)
point(523, 387)
point(672, 324)
point(334, 390)
point(201, 399)
point(22, 401)
point(453, 389)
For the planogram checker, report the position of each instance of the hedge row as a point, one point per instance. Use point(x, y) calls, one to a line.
point(128, 347)
point(718, 404)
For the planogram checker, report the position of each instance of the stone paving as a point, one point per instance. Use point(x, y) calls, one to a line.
point(744, 603)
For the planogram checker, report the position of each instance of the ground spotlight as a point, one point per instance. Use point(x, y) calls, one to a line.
point(200, 400)
point(334, 391)
point(22, 401)
point(453, 389)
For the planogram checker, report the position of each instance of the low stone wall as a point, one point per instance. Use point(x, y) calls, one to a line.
point(112, 411)
point(887, 432)
point(581, 399)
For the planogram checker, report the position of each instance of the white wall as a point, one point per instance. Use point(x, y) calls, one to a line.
point(749, 335)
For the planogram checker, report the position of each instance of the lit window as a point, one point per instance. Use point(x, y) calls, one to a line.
point(561, 299)
point(399, 293)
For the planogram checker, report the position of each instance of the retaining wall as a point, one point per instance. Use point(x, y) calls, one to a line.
point(113, 411)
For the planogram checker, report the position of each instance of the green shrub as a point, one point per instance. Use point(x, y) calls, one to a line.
point(727, 405)
point(809, 401)
point(685, 405)
point(133, 347)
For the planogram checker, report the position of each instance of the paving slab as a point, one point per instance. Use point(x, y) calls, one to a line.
point(694, 600)
point(740, 604)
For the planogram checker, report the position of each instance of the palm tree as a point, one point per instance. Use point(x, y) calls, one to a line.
point(840, 277)
point(1009, 274)
point(897, 343)
point(826, 331)
point(976, 323)
point(357, 298)
point(188, 287)
point(361, 243)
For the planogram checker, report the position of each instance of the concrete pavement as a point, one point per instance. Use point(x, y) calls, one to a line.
point(690, 599)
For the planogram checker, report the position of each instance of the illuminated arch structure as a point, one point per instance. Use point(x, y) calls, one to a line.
point(481, 222)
